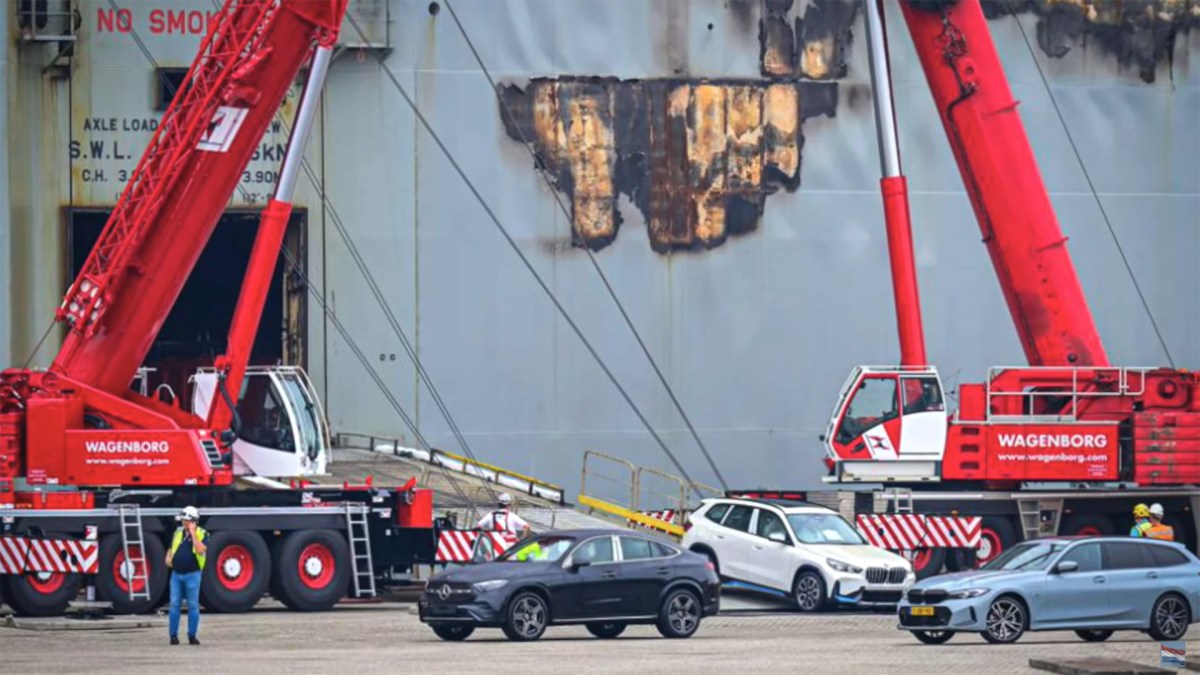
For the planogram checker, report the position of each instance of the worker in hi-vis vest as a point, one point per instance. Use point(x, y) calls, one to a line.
point(1141, 521)
point(189, 548)
point(1157, 529)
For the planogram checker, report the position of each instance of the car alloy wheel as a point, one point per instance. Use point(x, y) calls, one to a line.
point(1006, 621)
point(527, 618)
point(1170, 619)
point(809, 592)
point(680, 614)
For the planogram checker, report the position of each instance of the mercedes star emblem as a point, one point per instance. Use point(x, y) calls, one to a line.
point(444, 592)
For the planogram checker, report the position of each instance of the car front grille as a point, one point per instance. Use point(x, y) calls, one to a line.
point(926, 597)
point(449, 593)
point(882, 575)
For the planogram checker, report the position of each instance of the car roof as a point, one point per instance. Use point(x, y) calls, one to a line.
point(585, 533)
point(787, 505)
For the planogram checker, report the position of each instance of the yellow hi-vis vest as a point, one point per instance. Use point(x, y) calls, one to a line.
point(1160, 531)
point(178, 539)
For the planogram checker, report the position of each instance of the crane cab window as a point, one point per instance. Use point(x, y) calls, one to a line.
point(921, 394)
point(872, 404)
point(264, 417)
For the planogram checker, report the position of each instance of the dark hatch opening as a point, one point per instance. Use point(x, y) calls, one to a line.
point(196, 329)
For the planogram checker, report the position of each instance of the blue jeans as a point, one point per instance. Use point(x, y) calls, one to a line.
point(190, 584)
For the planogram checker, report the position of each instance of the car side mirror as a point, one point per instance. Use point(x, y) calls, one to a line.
point(778, 536)
point(574, 565)
point(1066, 566)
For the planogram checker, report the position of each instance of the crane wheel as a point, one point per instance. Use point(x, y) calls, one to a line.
point(236, 572)
point(113, 578)
point(996, 536)
point(40, 594)
point(928, 561)
point(311, 569)
point(1086, 526)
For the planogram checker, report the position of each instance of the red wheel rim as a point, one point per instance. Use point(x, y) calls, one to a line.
point(235, 567)
point(922, 558)
point(1089, 531)
point(316, 566)
point(989, 547)
point(122, 572)
point(51, 583)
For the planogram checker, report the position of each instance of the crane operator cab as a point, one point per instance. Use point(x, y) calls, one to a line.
point(282, 430)
point(889, 426)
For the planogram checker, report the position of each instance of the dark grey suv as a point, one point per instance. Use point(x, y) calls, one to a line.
point(604, 579)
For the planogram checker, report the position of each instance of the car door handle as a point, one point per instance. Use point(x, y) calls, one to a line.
point(1151, 575)
point(663, 571)
point(1098, 580)
point(610, 575)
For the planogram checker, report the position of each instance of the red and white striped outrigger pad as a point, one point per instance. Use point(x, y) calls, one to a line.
point(457, 545)
point(20, 554)
point(666, 515)
point(907, 532)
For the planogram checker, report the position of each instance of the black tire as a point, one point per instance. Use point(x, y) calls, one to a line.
point(526, 617)
point(1007, 620)
point(111, 584)
point(236, 573)
point(808, 591)
point(1086, 526)
point(324, 556)
point(1094, 635)
point(998, 536)
point(455, 633)
point(606, 630)
point(931, 560)
point(680, 614)
point(1170, 618)
point(933, 637)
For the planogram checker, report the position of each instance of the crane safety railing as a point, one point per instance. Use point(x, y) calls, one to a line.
point(1118, 382)
point(640, 496)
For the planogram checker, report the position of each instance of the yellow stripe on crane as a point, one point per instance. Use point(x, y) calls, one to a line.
point(640, 518)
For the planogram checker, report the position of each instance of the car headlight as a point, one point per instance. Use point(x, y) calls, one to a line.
point(840, 566)
point(485, 586)
point(968, 593)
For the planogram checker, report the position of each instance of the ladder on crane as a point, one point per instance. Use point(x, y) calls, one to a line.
point(358, 532)
point(133, 545)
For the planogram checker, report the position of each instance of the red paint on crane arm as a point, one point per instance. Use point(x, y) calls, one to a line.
point(1012, 206)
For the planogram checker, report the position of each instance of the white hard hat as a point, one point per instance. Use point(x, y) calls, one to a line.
point(505, 498)
point(188, 513)
point(1156, 510)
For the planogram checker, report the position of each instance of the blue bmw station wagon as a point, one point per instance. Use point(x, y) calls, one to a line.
point(1092, 585)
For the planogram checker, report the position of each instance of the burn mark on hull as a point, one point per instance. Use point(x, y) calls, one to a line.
point(696, 158)
point(813, 45)
point(1140, 33)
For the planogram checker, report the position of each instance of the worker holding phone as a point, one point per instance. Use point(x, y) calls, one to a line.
point(189, 548)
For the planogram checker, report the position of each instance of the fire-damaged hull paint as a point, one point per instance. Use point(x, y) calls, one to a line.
point(756, 280)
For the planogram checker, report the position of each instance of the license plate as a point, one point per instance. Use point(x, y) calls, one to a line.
point(920, 611)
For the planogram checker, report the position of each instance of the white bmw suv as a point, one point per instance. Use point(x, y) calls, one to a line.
point(795, 549)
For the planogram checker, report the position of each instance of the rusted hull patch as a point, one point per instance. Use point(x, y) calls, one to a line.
point(697, 158)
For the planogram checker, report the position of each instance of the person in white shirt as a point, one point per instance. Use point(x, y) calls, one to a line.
point(504, 520)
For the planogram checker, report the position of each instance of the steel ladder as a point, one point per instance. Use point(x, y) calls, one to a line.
point(133, 541)
point(358, 532)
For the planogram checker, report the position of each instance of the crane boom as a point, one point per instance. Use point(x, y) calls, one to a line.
point(998, 167)
point(183, 183)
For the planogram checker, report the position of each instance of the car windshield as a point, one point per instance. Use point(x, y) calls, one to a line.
point(1031, 555)
point(538, 549)
point(823, 528)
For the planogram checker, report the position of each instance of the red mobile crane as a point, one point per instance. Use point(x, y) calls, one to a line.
point(92, 473)
point(1067, 444)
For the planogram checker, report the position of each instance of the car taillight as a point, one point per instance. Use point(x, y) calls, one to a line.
point(711, 567)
